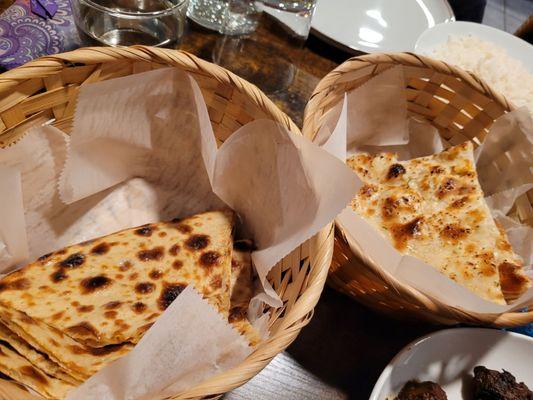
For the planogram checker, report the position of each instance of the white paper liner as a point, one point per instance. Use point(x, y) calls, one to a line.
point(160, 365)
point(142, 150)
point(13, 246)
point(512, 132)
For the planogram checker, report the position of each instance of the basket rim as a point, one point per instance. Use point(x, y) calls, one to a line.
point(312, 124)
point(313, 110)
point(52, 64)
point(322, 243)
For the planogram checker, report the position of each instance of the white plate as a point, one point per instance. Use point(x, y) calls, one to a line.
point(377, 25)
point(449, 356)
point(515, 47)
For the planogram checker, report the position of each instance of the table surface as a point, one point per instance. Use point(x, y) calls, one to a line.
point(343, 350)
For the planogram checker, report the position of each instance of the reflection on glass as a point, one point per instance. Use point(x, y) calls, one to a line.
point(267, 56)
point(129, 22)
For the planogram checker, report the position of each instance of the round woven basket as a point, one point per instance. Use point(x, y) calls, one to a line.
point(462, 107)
point(46, 90)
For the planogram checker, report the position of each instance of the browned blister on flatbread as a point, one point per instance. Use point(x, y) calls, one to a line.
point(111, 290)
point(433, 208)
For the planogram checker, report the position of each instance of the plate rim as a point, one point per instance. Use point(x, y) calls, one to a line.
point(353, 50)
point(385, 374)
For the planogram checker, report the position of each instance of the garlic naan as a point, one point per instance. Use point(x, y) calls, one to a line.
point(433, 208)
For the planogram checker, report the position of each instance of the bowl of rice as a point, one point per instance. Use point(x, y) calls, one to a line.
point(502, 60)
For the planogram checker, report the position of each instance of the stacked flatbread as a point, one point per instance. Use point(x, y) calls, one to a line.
point(67, 315)
point(433, 208)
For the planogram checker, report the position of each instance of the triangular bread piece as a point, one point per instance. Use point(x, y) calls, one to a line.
point(78, 360)
point(111, 290)
point(39, 360)
point(433, 208)
point(18, 368)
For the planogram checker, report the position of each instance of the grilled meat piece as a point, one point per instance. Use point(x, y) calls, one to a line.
point(414, 390)
point(494, 385)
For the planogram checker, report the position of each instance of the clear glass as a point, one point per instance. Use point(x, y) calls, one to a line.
point(268, 56)
point(232, 17)
point(128, 22)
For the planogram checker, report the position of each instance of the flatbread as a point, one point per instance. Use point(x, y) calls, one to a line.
point(111, 290)
point(433, 208)
point(241, 290)
point(37, 359)
point(18, 368)
point(76, 359)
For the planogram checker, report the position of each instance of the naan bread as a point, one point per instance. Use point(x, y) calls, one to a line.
point(111, 290)
point(76, 359)
point(72, 312)
point(39, 360)
point(241, 290)
point(18, 368)
point(433, 208)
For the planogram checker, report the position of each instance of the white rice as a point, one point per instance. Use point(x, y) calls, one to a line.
point(491, 63)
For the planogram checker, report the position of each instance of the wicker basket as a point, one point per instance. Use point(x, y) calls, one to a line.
point(46, 89)
point(461, 107)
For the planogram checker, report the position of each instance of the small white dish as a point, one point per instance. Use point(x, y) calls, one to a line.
point(377, 25)
point(515, 47)
point(448, 358)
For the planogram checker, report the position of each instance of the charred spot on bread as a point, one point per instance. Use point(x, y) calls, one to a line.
point(395, 170)
point(197, 242)
point(154, 254)
point(145, 231)
point(209, 259)
point(169, 294)
point(101, 248)
point(73, 261)
point(94, 283)
point(144, 287)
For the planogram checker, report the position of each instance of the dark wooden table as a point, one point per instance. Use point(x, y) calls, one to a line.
point(343, 350)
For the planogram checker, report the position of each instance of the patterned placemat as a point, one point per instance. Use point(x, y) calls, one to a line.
point(25, 36)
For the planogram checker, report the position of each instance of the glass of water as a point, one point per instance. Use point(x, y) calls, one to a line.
point(268, 56)
point(234, 17)
point(129, 22)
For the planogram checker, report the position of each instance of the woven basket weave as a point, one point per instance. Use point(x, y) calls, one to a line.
point(46, 89)
point(461, 107)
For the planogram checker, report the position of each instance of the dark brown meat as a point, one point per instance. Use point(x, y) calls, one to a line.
point(494, 385)
point(414, 390)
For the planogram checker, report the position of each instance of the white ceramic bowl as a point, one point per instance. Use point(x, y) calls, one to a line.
point(448, 358)
point(515, 47)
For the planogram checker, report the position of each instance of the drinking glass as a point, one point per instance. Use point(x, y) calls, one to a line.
point(268, 56)
point(236, 18)
point(129, 22)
